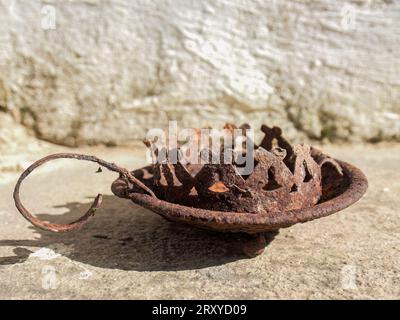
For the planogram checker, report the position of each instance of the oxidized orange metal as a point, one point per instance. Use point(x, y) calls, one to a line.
point(289, 185)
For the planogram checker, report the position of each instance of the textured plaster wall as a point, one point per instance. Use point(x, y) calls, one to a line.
point(78, 72)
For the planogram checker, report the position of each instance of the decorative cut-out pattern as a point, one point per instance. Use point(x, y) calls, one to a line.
point(285, 177)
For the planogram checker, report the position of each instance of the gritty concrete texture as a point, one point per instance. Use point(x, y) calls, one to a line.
point(87, 71)
point(128, 252)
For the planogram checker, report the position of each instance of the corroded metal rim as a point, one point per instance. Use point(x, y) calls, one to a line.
point(245, 222)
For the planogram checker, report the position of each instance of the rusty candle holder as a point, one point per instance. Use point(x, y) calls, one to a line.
point(289, 185)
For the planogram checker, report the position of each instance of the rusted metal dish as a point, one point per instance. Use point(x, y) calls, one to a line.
point(287, 185)
point(338, 193)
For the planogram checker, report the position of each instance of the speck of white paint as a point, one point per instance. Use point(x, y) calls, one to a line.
point(85, 275)
point(391, 115)
point(317, 62)
point(386, 189)
point(45, 254)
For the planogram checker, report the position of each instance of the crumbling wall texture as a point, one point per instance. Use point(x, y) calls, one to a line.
point(77, 72)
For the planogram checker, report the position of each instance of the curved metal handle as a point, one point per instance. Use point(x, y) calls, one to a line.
point(54, 227)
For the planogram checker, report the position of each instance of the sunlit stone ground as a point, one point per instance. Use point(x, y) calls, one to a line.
point(128, 252)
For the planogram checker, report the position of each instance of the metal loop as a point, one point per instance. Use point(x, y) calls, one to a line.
point(54, 227)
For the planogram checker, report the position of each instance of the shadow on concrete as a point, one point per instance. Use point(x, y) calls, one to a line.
point(125, 236)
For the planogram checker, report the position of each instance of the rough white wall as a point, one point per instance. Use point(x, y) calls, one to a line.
point(109, 70)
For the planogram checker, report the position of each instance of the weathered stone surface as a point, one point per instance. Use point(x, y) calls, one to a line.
point(104, 71)
point(17, 147)
point(128, 252)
